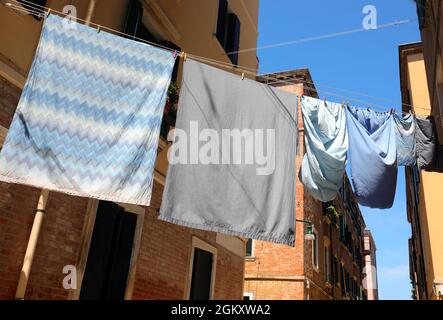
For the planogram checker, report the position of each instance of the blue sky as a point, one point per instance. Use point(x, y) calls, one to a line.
point(365, 63)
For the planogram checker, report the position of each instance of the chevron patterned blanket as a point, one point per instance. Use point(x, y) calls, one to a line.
point(89, 117)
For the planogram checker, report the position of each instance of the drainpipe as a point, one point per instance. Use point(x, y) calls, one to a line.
point(32, 244)
point(90, 11)
point(39, 212)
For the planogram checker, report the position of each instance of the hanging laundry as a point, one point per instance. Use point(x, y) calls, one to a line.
point(405, 140)
point(88, 120)
point(429, 155)
point(372, 154)
point(238, 176)
point(326, 142)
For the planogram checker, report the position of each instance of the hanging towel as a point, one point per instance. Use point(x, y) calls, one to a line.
point(372, 154)
point(88, 120)
point(253, 200)
point(405, 140)
point(429, 155)
point(326, 142)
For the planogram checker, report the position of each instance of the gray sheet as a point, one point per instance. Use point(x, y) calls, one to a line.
point(234, 198)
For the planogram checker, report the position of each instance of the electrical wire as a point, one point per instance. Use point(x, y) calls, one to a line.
point(325, 36)
point(42, 10)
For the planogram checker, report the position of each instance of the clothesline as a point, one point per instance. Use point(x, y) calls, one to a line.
point(290, 80)
point(380, 108)
point(325, 36)
point(99, 130)
point(42, 10)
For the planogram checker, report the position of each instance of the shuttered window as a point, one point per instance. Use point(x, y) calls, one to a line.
point(233, 38)
point(201, 275)
point(222, 22)
point(228, 31)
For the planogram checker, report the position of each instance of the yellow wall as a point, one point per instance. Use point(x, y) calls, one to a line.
point(430, 207)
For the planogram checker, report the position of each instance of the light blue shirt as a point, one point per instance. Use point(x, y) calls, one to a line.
point(326, 142)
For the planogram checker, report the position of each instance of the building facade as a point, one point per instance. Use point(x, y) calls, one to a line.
point(329, 267)
point(430, 15)
point(423, 189)
point(102, 240)
point(370, 283)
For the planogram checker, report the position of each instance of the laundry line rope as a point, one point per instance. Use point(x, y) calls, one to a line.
point(325, 36)
point(381, 108)
point(43, 11)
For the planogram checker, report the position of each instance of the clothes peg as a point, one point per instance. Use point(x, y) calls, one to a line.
point(48, 12)
point(174, 54)
point(243, 76)
point(324, 100)
point(184, 56)
point(98, 28)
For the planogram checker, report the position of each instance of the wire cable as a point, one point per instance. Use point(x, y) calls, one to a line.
point(42, 10)
point(325, 36)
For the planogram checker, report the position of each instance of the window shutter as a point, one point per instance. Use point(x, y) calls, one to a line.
point(233, 39)
point(249, 248)
point(421, 12)
point(221, 22)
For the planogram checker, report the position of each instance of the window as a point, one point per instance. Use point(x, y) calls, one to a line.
point(248, 296)
point(315, 250)
point(342, 223)
point(228, 30)
point(342, 280)
point(250, 248)
point(347, 282)
point(109, 257)
point(327, 266)
point(421, 12)
point(202, 270)
point(201, 275)
point(35, 4)
point(336, 272)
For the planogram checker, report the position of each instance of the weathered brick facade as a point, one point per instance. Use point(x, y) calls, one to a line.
point(280, 272)
point(163, 262)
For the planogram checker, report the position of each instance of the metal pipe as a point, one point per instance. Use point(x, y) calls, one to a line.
point(90, 11)
point(32, 244)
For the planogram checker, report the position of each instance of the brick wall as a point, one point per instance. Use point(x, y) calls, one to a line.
point(164, 259)
point(58, 245)
point(9, 96)
point(280, 272)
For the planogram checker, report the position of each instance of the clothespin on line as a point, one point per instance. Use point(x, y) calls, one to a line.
point(343, 104)
point(183, 55)
point(98, 28)
point(174, 54)
point(48, 12)
point(243, 76)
